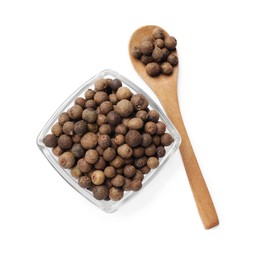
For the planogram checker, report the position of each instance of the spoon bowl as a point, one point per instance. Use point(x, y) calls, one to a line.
point(165, 88)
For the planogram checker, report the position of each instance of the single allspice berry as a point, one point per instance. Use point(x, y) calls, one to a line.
point(57, 129)
point(80, 101)
point(65, 142)
point(153, 116)
point(89, 94)
point(153, 69)
point(66, 160)
point(118, 181)
point(113, 118)
point(116, 84)
point(116, 194)
point(124, 107)
point(123, 93)
point(83, 166)
point(160, 128)
point(110, 172)
point(135, 123)
point(109, 154)
point(133, 138)
point(91, 156)
point(150, 128)
point(152, 162)
point(63, 117)
point(135, 185)
point(57, 151)
point(100, 192)
point(100, 164)
point(78, 150)
point(129, 171)
point(75, 172)
point(98, 177)
point(85, 182)
point(89, 140)
point(75, 112)
point(104, 141)
point(125, 151)
point(89, 115)
point(80, 127)
point(68, 128)
point(139, 102)
point(166, 139)
point(50, 140)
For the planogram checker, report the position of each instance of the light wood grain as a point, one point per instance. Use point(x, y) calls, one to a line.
point(165, 88)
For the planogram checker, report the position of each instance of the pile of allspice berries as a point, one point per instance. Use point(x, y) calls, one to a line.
point(157, 52)
point(109, 139)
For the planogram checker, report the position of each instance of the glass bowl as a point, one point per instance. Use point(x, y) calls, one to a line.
point(107, 206)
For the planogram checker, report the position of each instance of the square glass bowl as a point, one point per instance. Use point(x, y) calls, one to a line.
point(107, 206)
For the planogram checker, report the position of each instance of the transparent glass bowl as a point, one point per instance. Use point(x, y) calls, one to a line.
point(107, 206)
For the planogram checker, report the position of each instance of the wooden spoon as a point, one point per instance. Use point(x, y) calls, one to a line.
point(165, 88)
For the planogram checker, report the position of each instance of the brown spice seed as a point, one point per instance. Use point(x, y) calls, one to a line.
point(109, 154)
point(89, 141)
point(125, 151)
point(118, 181)
point(100, 192)
point(133, 138)
point(84, 182)
point(83, 166)
point(98, 177)
point(91, 156)
point(75, 112)
point(139, 102)
point(66, 160)
point(50, 140)
point(116, 194)
point(65, 142)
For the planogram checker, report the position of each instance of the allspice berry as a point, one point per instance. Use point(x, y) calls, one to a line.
point(166, 68)
point(50, 140)
point(157, 54)
point(92, 127)
point(113, 118)
point(101, 119)
point(106, 107)
point(89, 115)
point(138, 152)
point(140, 162)
point(116, 194)
point(135, 185)
point(160, 151)
point(126, 186)
point(116, 84)
point(159, 43)
point(104, 141)
point(145, 59)
point(136, 52)
point(172, 59)
point(105, 129)
point(139, 176)
point(133, 138)
point(80, 101)
point(139, 102)
point(170, 42)
point(146, 139)
point(142, 114)
point(118, 181)
point(160, 128)
point(89, 94)
point(65, 142)
point(100, 97)
point(165, 52)
point(76, 138)
point(90, 104)
point(66, 160)
point(75, 112)
point(100, 192)
point(118, 162)
point(75, 172)
point(150, 128)
point(166, 139)
point(57, 129)
point(91, 156)
point(80, 127)
point(135, 123)
point(98, 177)
point(124, 107)
point(129, 171)
point(152, 162)
point(57, 151)
point(123, 93)
point(153, 69)
point(153, 116)
point(109, 154)
point(83, 166)
point(113, 99)
point(110, 172)
point(158, 33)
point(78, 150)
point(145, 169)
point(68, 128)
point(150, 150)
point(85, 182)
point(100, 84)
point(89, 140)
point(121, 129)
point(63, 117)
point(125, 151)
point(146, 47)
point(156, 140)
point(119, 139)
point(100, 164)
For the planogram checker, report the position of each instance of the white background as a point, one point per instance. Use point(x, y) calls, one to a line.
point(49, 48)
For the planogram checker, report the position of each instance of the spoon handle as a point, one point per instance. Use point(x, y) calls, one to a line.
point(198, 185)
